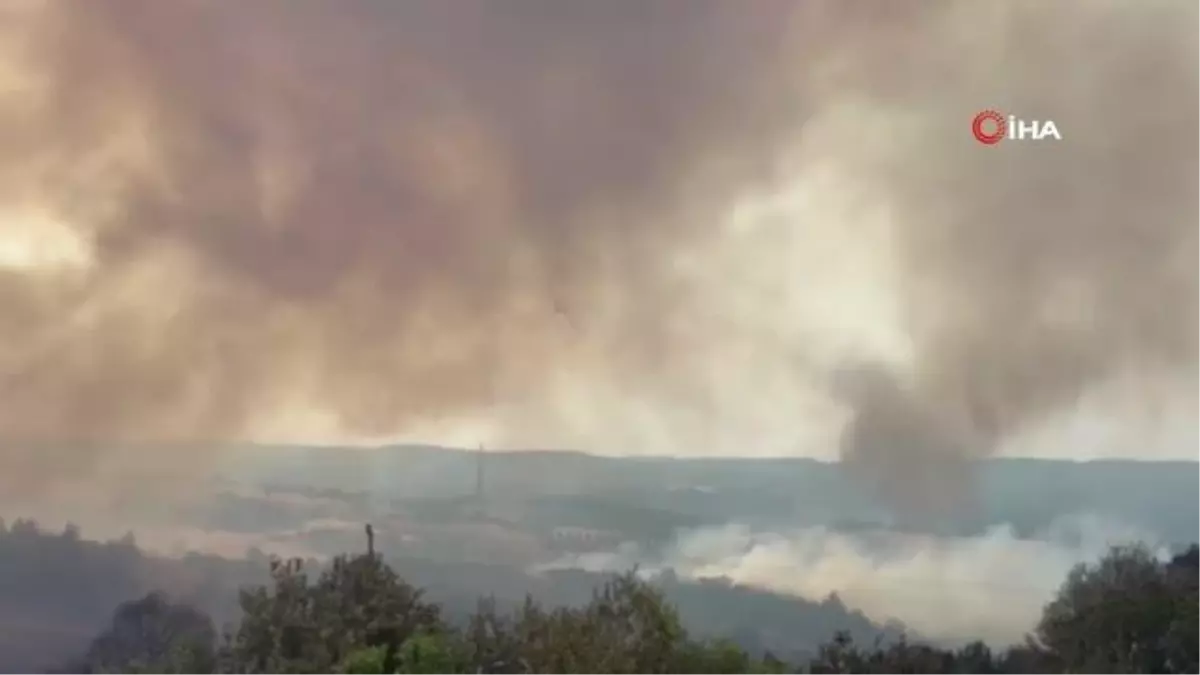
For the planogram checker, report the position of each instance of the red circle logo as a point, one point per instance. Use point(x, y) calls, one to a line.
point(989, 119)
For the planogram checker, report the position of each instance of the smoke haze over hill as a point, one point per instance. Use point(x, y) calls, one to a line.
point(991, 586)
point(755, 546)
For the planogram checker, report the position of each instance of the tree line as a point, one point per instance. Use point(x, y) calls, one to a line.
point(1128, 612)
point(58, 589)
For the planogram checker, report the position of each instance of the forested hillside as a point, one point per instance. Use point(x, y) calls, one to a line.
point(58, 589)
point(1125, 613)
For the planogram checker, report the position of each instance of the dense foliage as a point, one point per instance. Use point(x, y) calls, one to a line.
point(1127, 612)
point(58, 590)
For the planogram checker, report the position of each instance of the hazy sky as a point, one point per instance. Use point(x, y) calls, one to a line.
point(672, 227)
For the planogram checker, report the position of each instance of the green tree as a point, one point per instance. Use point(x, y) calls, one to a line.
point(298, 626)
point(428, 652)
point(721, 656)
point(1127, 613)
point(1183, 574)
point(420, 653)
point(154, 635)
point(627, 627)
point(365, 661)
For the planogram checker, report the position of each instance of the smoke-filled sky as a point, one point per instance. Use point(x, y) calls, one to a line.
point(675, 226)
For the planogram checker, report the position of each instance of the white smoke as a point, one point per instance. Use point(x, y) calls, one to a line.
point(948, 589)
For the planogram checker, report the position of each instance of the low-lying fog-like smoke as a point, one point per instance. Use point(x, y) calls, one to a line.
point(653, 227)
point(991, 587)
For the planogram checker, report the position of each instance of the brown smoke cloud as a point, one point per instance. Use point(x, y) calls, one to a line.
point(394, 213)
point(385, 210)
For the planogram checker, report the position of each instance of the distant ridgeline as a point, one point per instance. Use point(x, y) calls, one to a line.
point(657, 495)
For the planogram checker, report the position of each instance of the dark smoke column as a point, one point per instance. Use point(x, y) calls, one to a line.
point(915, 461)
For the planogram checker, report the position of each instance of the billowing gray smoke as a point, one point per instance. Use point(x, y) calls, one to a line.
point(917, 459)
point(215, 214)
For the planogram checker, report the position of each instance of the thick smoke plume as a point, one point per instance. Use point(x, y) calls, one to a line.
point(223, 220)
